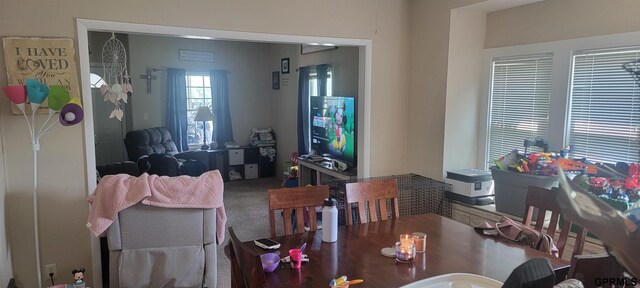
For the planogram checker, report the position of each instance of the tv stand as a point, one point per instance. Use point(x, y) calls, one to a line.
point(321, 172)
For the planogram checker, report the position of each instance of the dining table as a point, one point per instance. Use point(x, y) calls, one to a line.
point(451, 247)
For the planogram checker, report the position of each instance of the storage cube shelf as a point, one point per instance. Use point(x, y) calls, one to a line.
point(236, 156)
point(249, 163)
point(250, 171)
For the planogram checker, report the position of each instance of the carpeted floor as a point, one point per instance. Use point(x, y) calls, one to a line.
point(246, 205)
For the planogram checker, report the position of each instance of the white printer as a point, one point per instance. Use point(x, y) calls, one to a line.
point(471, 186)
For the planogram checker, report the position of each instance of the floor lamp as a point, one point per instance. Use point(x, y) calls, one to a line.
point(70, 113)
point(204, 114)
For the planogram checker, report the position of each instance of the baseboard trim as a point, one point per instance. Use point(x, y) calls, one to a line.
point(12, 283)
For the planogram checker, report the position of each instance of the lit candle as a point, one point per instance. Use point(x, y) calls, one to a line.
point(406, 239)
point(405, 249)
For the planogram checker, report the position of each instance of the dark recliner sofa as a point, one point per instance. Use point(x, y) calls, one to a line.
point(149, 141)
point(156, 153)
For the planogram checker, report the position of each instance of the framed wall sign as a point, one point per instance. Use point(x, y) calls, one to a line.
point(192, 55)
point(284, 66)
point(49, 60)
point(275, 80)
point(306, 49)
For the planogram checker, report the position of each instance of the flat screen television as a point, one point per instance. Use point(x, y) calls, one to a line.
point(333, 128)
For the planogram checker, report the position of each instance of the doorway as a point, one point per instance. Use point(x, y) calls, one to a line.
point(109, 132)
point(86, 25)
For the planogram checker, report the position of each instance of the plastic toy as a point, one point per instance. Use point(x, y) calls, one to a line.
point(599, 185)
point(78, 275)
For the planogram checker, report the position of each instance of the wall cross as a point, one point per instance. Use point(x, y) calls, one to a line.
point(148, 77)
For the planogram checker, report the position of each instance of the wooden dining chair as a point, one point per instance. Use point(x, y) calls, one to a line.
point(246, 261)
point(302, 200)
point(544, 200)
point(587, 268)
point(236, 274)
point(536, 272)
point(367, 194)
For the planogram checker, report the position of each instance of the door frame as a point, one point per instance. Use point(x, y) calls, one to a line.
point(86, 25)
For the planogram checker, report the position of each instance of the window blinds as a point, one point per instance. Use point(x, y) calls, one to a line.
point(520, 92)
point(605, 106)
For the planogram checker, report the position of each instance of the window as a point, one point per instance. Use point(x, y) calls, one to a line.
point(198, 94)
point(604, 106)
point(313, 82)
point(519, 102)
point(96, 80)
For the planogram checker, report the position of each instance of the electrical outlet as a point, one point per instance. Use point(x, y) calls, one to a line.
point(51, 268)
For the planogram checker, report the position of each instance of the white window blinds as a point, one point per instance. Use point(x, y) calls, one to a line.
point(605, 106)
point(520, 92)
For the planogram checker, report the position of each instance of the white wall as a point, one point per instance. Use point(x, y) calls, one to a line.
point(428, 66)
point(6, 272)
point(560, 20)
point(249, 79)
point(466, 42)
point(344, 61)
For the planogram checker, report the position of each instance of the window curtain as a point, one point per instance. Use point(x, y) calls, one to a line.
point(322, 79)
point(303, 110)
point(176, 120)
point(222, 131)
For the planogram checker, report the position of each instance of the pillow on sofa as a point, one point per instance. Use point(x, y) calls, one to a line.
point(192, 167)
point(168, 165)
point(124, 167)
point(159, 164)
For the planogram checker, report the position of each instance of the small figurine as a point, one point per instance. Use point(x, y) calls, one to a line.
point(78, 275)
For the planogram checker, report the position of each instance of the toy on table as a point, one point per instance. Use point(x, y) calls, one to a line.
point(342, 282)
point(78, 275)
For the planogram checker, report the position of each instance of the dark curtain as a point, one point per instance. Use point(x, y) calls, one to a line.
point(321, 70)
point(303, 110)
point(222, 131)
point(176, 120)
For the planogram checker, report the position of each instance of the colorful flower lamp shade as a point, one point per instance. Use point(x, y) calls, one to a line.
point(37, 92)
point(204, 114)
point(17, 94)
point(71, 113)
point(58, 97)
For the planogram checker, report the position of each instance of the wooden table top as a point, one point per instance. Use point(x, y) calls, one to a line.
point(452, 247)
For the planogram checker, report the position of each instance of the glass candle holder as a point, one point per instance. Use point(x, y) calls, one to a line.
point(405, 252)
point(406, 239)
point(420, 240)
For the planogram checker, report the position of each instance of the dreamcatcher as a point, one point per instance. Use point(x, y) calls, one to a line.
point(118, 84)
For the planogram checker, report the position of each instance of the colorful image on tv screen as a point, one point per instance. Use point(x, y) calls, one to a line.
point(333, 127)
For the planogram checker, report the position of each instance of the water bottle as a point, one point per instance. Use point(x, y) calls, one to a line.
point(329, 221)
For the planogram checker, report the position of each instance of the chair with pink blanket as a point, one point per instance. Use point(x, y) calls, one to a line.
point(162, 231)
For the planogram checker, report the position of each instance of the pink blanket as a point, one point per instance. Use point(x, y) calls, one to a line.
point(118, 192)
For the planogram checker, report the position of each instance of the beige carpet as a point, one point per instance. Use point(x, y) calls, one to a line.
point(246, 205)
